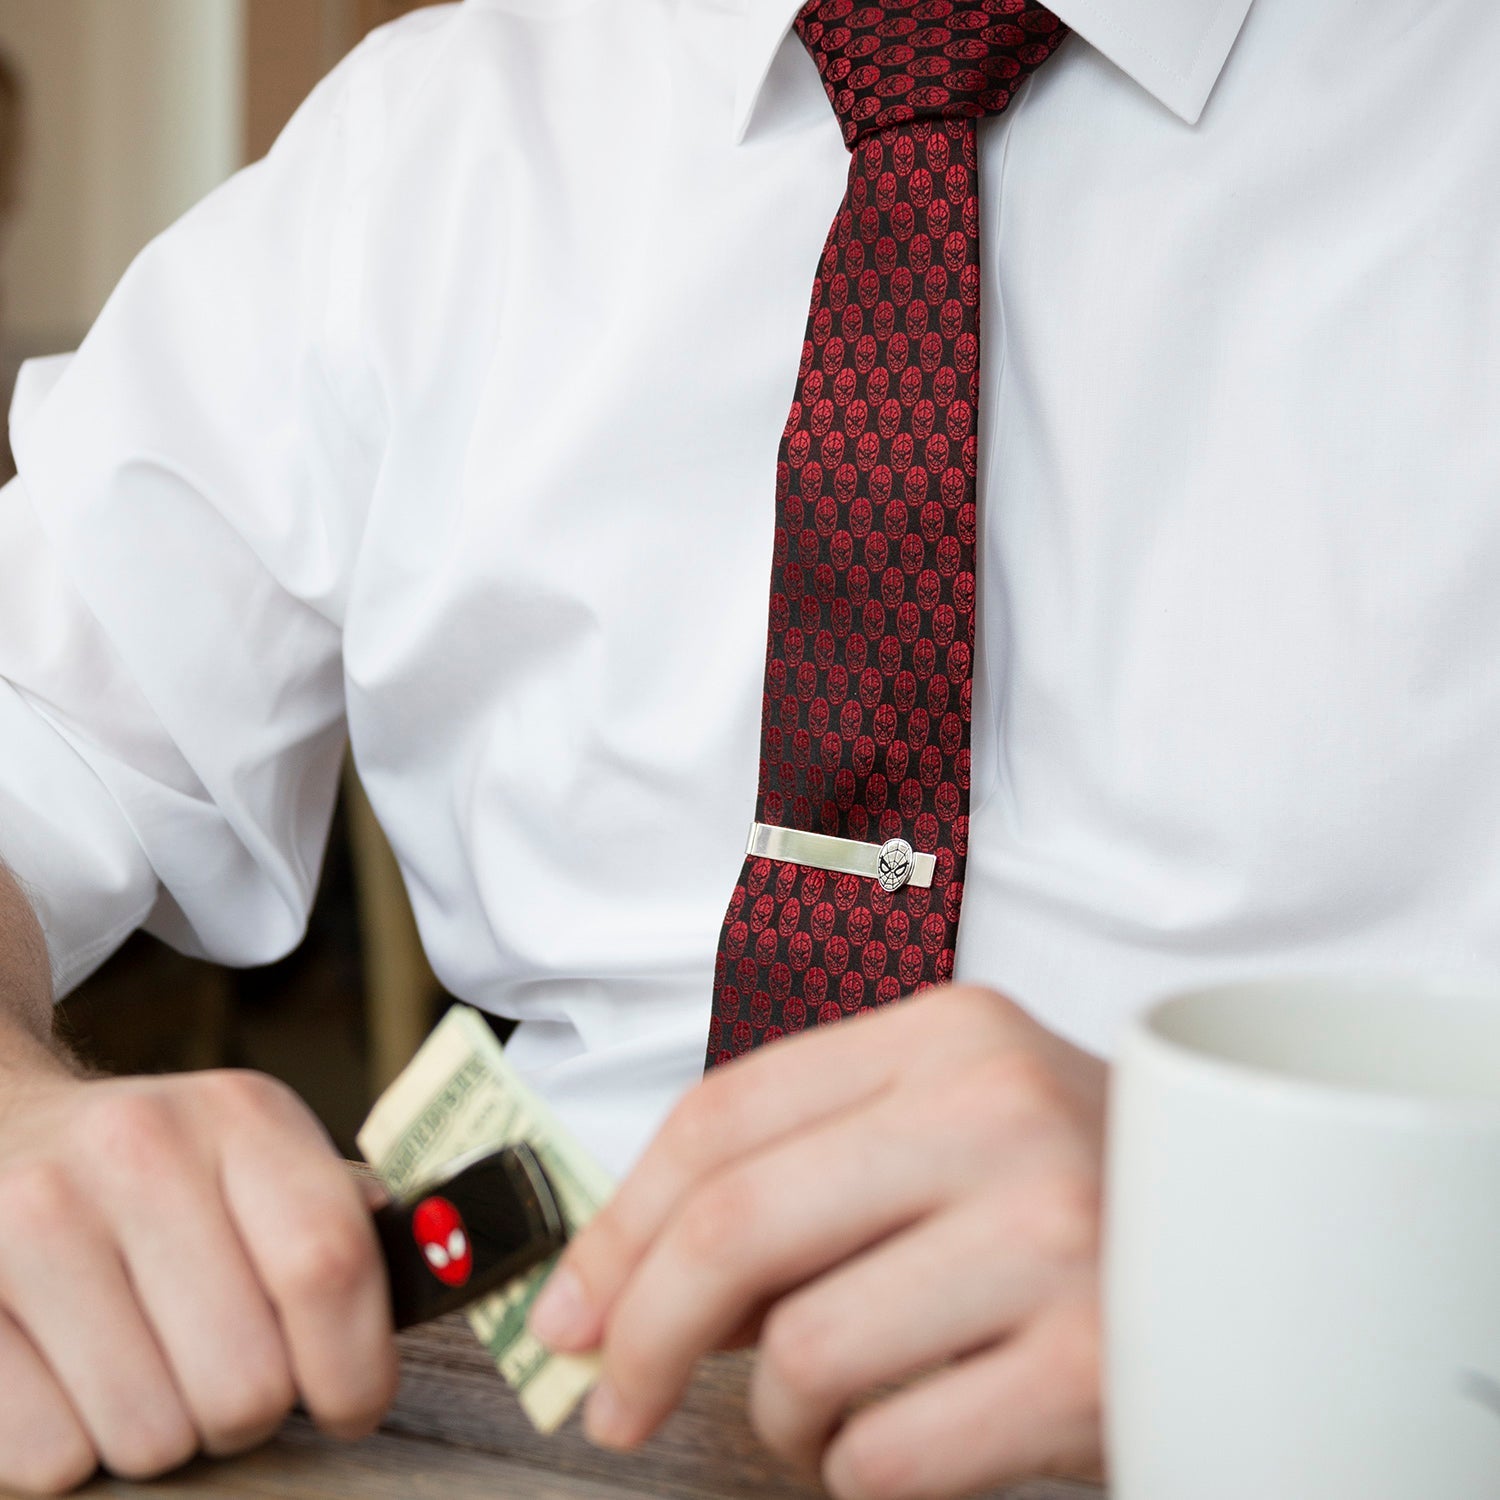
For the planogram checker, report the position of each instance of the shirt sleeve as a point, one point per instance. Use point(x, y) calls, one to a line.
point(174, 556)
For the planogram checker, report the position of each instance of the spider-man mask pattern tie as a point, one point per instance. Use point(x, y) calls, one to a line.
point(869, 662)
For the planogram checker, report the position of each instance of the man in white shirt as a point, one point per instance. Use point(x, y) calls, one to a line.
point(449, 429)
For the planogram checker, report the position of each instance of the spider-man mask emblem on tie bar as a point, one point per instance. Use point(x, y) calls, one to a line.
point(895, 866)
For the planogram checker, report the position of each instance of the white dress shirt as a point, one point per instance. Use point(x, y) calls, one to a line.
point(452, 427)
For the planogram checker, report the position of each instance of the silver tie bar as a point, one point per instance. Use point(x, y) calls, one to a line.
point(894, 863)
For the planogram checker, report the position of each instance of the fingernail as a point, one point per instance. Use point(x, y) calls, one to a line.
point(559, 1316)
point(604, 1418)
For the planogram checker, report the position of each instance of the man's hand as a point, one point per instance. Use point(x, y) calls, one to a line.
point(911, 1196)
point(180, 1260)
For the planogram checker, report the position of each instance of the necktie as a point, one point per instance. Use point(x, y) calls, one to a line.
point(850, 891)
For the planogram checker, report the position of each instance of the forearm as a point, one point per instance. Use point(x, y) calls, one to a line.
point(27, 1040)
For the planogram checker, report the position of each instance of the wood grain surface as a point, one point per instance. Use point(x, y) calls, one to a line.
point(456, 1433)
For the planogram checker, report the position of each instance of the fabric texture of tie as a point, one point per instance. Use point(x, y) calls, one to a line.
point(869, 660)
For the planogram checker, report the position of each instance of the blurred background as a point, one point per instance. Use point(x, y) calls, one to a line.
point(115, 117)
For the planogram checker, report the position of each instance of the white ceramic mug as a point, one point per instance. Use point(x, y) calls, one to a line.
point(1302, 1244)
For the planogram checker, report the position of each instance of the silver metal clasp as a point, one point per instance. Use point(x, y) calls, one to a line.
point(893, 864)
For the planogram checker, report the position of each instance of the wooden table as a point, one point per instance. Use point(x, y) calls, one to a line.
point(456, 1433)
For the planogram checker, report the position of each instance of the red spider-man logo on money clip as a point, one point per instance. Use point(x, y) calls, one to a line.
point(491, 1217)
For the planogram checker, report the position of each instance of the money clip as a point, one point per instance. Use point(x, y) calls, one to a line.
point(490, 1217)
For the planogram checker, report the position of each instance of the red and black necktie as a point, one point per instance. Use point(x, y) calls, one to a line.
point(850, 892)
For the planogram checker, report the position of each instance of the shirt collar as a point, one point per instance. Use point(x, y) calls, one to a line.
point(1175, 49)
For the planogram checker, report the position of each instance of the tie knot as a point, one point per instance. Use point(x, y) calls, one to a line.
point(901, 60)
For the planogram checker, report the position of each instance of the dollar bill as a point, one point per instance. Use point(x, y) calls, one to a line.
point(458, 1094)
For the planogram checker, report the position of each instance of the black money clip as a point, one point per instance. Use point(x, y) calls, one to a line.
point(491, 1217)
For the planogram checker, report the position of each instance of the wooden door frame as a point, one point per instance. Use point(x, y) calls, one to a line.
point(290, 45)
